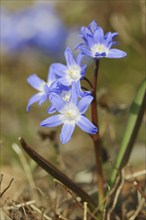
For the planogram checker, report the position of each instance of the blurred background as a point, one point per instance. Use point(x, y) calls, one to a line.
point(34, 34)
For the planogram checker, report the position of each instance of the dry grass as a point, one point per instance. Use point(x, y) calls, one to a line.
point(35, 197)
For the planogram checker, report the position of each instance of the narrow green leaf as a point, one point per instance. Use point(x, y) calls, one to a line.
point(131, 131)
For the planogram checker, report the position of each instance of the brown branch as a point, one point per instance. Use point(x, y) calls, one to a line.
point(57, 174)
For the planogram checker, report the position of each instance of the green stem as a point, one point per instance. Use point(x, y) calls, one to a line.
point(96, 139)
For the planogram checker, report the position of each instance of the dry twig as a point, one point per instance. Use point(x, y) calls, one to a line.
point(114, 195)
point(1, 194)
point(139, 207)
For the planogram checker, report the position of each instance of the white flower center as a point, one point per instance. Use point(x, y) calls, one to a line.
point(70, 113)
point(74, 72)
point(66, 96)
point(98, 48)
point(42, 87)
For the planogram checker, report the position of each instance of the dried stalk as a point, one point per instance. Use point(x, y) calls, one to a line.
point(57, 174)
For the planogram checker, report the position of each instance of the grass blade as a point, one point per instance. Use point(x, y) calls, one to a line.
point(134, 121)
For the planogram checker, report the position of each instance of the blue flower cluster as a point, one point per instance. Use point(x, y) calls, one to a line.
point(98, 45)
point(63, 86)
point(36, 27)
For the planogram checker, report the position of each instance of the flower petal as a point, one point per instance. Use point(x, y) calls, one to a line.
point(79, 45)
point(66, 132)
point(108, 40)
point(35, 81)
point(114, 34)
point(43, 98)
point(90, 41)
point(66, 81)
point(86, 125)
point(33, 99)
point(74, 94)
point(79, 90)
point(62, 87)
point(83, 69)
point(57, 101)
point(51, 75)
point(79, 59)
point(93, 26)
point(69, 57)
point(59, 69)
point(84, 32)
point(51, 109)
point(84, 103)
point(98, 35)
point(46, 89)
point(86, 51)
point(52, 121)
point(116, 53)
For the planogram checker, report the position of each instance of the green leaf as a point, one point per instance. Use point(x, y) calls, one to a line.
point(134, 121)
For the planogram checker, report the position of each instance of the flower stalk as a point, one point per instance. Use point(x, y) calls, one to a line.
point(96, 139)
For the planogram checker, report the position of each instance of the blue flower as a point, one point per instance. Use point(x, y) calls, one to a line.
point(65, 95)
point(71, 113)
point(74, 71)
point(30, 28)
point(44, 88)
point(90, 30)
point(98, 45)
point(50, 37)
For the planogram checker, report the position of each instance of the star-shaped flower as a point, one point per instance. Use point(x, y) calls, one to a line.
point(44, 88)
point(74, 71)
point(71, 113)
point(98, 45)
